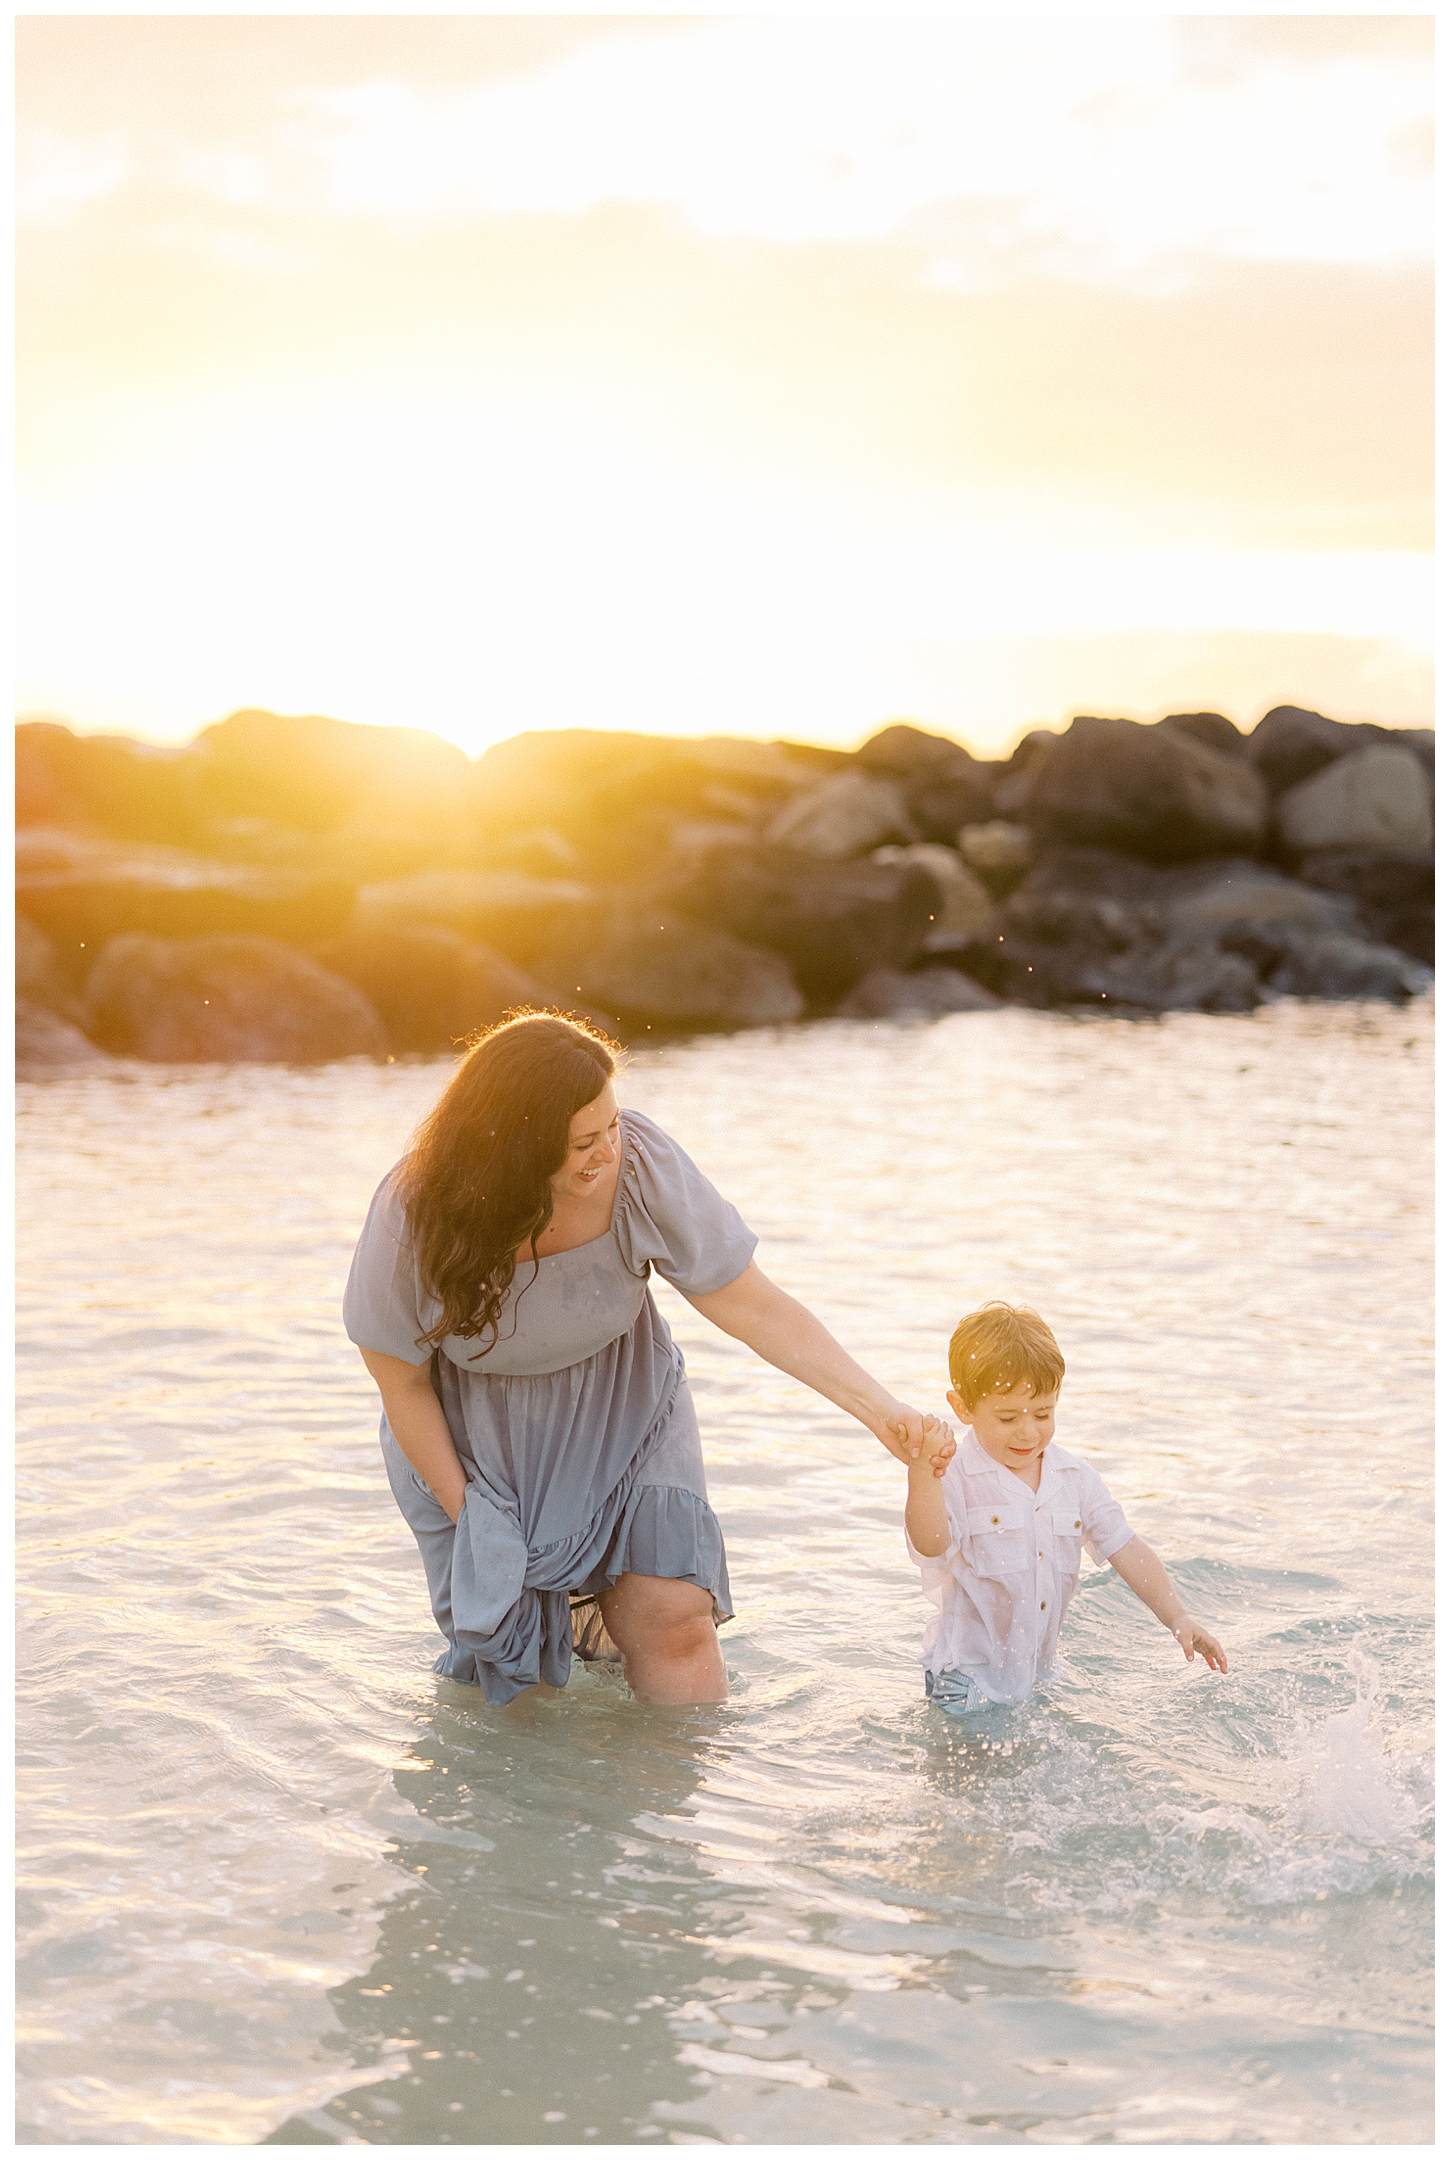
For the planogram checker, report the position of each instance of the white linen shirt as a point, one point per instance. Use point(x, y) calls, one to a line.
point(1012, 1564)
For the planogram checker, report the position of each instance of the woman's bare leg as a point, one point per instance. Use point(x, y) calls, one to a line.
point(666, 1630)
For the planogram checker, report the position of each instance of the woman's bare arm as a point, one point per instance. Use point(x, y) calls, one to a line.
point(419, 1426)
point(777, 1328)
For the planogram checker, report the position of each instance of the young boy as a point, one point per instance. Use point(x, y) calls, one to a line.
point(999, 1536)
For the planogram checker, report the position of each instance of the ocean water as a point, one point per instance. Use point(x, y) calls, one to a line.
point(279, 1884)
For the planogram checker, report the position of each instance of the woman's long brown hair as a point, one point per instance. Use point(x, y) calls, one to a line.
point(475, 1182)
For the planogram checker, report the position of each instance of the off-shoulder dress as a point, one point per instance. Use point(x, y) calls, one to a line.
point(576, 1428)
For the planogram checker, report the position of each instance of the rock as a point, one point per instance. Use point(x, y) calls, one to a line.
point(313, 774)
point(1376, 799)
point(107, 784)
point(944, 786)
point(1347, 967)
point(45, 1044)
point(614, 797)
point(999, 853)
point(510, 911)
point(1291, 744)
point(963, 901)
point(1151, 792)
point(886, 994)
point(1014, 781)
point(39, 977)
point(643, 964)
point(81, 892)
point(843, 815)
point(1394, 893)
point(225, 998)
point(832, 921)
point(1213, 729)
point(430, 987)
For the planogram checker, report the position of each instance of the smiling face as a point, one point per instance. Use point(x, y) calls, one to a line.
point(593, 1149)
point(1014, 1425)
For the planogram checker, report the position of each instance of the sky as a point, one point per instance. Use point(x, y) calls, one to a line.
point(770, 375)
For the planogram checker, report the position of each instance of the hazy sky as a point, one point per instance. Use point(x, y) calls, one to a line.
point(767, 375)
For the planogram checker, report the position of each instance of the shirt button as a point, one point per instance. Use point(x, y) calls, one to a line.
point(1044, 1604)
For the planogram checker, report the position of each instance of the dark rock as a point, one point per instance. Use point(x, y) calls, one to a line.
point(81, 892)
point(1151, 792)
point(833, 922)
point(1347, 967)
point(887, 994)
point(944, 786)
point(1213, 729)
point(45, 1044)
point(1013, 785)
point(430, 987)
point(1394, 893)
point(1374, 798)
point(1091, 928)
point(1291, 744)
point(641, 964)
point(963, 902)
point(225, 998)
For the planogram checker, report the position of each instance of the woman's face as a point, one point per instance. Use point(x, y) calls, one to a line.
point(593, 1148)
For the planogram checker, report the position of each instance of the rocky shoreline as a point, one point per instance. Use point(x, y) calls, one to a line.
point(303, 889)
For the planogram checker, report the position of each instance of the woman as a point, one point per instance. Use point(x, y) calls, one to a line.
point(537, 1425)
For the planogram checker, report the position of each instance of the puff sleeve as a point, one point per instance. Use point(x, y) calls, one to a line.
point(672, 1219)
point(383, 1307)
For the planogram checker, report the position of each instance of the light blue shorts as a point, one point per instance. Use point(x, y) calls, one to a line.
point(959, 1695)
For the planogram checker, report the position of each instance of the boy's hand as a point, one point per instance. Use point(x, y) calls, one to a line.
point(939, 1444)
point(1193, 1637)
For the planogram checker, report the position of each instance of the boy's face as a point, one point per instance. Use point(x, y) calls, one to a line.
point(1014, 1427)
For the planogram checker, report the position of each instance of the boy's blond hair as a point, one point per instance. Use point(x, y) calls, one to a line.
point(999, 1346)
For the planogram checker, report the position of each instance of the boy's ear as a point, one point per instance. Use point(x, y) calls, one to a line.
point(958, 1407)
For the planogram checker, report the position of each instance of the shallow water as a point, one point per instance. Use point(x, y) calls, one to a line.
point(279, 1883)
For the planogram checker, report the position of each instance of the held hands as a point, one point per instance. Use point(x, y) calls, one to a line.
point(1191, 1636)
point(913, 1436)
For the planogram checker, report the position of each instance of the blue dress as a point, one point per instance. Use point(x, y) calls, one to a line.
point(576, 1429)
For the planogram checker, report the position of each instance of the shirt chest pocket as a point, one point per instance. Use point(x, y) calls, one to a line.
point(1001, 1543)
point(1064, 1529)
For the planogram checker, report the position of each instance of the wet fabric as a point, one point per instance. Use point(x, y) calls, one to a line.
point(576, 1429)
point(1012, 1565)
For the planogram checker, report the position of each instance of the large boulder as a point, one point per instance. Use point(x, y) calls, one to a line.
point(1213, 729)
point(107, 784)
point(963, 901)
point(40, 979)
point(511, 911)
point(997, 852)
point(1152, 792)
point(831, 921)
point(313, 774)
point(944, 786)
point(225, 998)
point(843, 815)
point(929, 994)
point(81, 892)
point(642, 965)
point(1394, 893)
point(1346, 967)
point(45, 1044)
point(1376, 799)
point(430, 987)
point(1291, 744)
